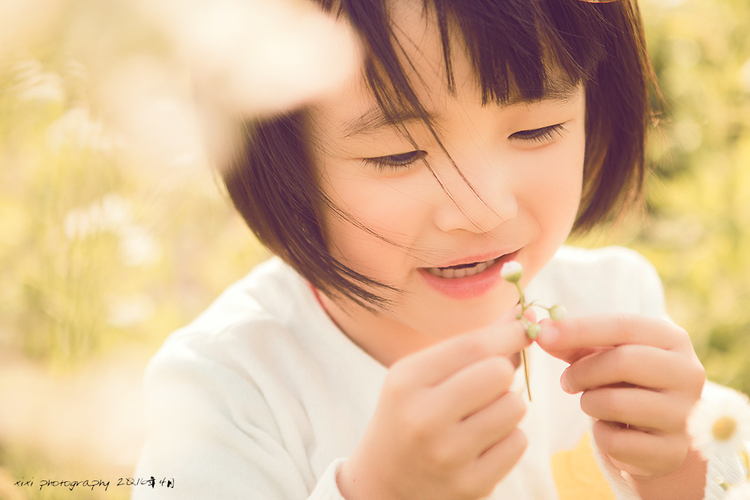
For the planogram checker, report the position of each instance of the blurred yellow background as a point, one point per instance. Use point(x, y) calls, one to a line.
point(114, 231)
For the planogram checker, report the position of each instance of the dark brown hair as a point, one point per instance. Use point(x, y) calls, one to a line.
point(513, 45)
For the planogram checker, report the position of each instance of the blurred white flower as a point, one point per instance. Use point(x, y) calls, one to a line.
point(741, 492)
point(256, 56)
point(689, 134)
point(720, 428)
point(137, 246)
point(35, 84)
point(114, 214)
point(745, 76)
point(124, 312)
point(150, 104)
point(111, 213)
point(512, 271)
point(76, 129)
point(78, 224)
point(686, 52)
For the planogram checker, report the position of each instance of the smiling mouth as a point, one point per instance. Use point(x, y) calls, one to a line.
point(461, 271)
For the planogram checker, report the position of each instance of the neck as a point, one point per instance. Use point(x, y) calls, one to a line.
point(382, 338)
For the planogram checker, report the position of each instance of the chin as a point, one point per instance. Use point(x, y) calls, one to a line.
point(448, 325)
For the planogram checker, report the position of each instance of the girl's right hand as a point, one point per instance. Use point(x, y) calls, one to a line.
point(446, 425)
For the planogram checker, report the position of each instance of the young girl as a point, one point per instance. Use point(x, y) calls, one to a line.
point(376, 357)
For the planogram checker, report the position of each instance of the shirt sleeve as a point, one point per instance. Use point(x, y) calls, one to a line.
point(212, 434)
point(327, 489)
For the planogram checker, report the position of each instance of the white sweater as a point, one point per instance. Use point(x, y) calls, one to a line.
point(262, 397)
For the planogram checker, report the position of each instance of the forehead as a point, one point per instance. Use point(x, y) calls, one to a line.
point(417, 36)
point(352, 109)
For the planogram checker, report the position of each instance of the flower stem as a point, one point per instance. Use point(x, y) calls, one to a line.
point(524, 359)
point(526, 372)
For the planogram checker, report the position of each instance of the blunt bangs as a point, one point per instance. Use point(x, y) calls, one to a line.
point(519, 49)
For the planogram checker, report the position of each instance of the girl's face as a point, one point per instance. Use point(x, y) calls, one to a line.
point(513, 194)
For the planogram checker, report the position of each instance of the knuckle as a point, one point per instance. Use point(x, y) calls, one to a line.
point(603, 403)
point(681, 332)
point(476, 347)
point(398, 382)
point(501, 369)
point(620, 362)
point(518, 442)
point(444, 455)
point(680, 338)
point(625, 324)
point(402, 377)
point(606, 438)
point(698, 373)
point(418, 424)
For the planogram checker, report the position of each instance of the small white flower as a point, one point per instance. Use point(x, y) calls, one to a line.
point(533, 331)
point(741, 492)
point(720, 428)
point(512, 271)
point(558, 312)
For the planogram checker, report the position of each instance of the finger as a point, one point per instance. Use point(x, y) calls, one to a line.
point(573, 338)
point(493, 423)
point(475, 387)
point(638, 365)
point(436, 363)
point(641, 450)
point(641, 408)
point(497, 461)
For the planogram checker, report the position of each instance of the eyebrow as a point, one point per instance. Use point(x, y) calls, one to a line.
point(375, 119)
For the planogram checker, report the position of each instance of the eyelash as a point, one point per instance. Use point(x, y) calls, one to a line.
point(394, 162)
point(544, 134)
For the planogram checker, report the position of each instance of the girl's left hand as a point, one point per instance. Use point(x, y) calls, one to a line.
point(640, 378)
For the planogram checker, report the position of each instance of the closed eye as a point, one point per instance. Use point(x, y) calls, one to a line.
point(539, 135)
point(394, 162)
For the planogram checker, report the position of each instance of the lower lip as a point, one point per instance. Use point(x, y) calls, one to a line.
point(468, 287)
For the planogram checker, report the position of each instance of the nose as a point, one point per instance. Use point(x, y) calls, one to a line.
point(475, 196)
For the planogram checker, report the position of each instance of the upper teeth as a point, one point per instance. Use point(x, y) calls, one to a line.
point(453, 272)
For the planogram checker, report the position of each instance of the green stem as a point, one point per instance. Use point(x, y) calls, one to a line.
point(522, 298)
point(526, 373)
point(525, 322)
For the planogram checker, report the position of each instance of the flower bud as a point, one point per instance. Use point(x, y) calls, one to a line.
point(558, 312)
point(512, 271)
point(533, 331)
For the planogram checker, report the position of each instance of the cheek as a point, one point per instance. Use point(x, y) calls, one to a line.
point(552, 197)
point(561, 182)
point(380, 227)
